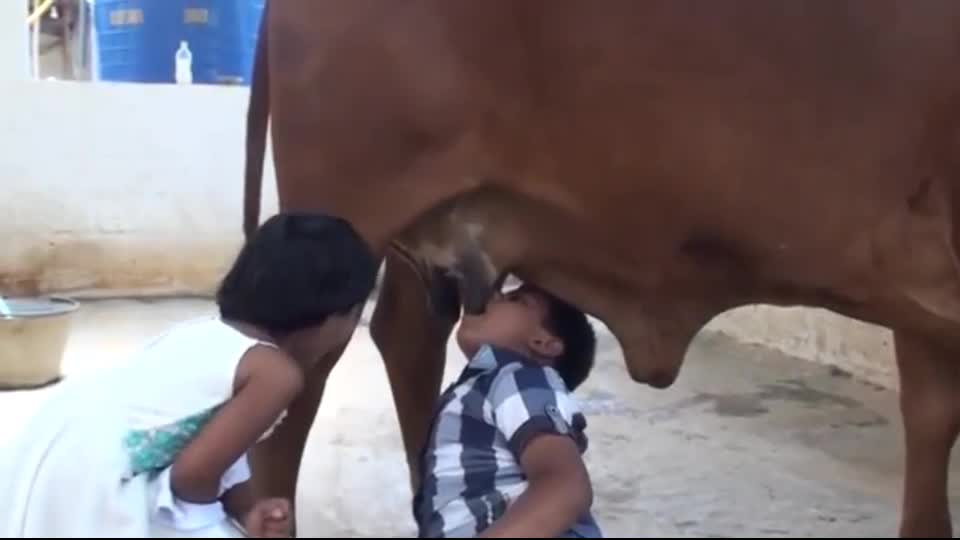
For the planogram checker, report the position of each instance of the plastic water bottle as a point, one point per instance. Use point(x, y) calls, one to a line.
point(184, 64)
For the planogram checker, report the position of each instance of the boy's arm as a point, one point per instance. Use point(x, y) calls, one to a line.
point(544, 430)
point(559, 491)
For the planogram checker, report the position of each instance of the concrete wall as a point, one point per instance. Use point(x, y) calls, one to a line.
point(860, 349)
point(120, 187)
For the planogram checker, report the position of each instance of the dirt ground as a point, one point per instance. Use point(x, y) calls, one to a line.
point(747, 443)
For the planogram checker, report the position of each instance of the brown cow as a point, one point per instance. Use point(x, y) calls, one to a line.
point(656, 162)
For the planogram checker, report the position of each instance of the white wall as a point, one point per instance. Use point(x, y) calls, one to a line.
point(14, 59)
point(120, 187)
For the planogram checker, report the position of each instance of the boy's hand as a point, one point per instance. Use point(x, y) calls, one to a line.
point(269, 518)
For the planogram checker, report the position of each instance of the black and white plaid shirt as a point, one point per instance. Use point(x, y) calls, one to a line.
point(470, 465)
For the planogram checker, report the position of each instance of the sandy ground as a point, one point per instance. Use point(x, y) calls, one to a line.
point(747, 443)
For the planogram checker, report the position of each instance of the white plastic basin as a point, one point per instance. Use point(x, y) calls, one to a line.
point(33, 336)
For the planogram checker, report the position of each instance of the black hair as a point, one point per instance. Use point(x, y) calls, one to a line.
point(297, 270)
point(571, 326)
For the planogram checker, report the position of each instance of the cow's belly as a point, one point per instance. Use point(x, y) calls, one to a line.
point(653, 197)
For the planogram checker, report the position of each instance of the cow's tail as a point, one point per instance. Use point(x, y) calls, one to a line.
point(258, 112)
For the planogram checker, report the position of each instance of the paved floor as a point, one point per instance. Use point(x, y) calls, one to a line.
point(745, 444)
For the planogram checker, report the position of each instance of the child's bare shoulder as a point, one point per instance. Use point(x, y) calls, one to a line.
point(265, 365)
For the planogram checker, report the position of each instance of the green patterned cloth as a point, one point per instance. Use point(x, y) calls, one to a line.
point(153, 450)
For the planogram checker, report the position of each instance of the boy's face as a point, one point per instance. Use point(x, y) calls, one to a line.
point(513, 321)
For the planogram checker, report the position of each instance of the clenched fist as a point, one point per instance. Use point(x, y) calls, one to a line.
point(269, 518)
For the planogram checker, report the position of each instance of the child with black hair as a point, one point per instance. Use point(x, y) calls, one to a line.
point(503, 459)
point(157, 448)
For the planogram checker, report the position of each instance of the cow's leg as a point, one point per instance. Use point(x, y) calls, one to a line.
point(930, 403)
point(410, 326)
point(275, 462)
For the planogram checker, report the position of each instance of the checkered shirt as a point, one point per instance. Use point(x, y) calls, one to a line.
point(470, 465)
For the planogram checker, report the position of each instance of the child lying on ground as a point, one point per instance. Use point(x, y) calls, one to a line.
point(157, 448)
point(503, 459)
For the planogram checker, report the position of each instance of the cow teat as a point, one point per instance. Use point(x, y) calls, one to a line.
point(477, 280)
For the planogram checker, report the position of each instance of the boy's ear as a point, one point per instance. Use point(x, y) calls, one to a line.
point(546, 345)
